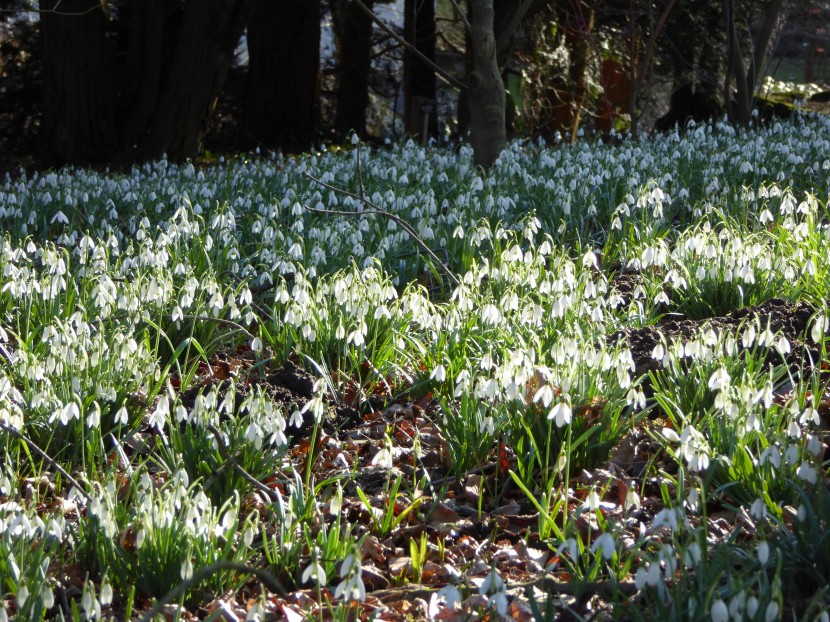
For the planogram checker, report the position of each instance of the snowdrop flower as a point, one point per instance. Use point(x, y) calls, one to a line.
point(814, 445)
point(448, 597)
point(758, 509)
point(439, 374)
point(820, 328)
point(160, 414)
point(544, 395)
point(561, 413)
point(667, 517)
point(592, 502)
point(719, 611)
point(352, 584)
point(59, 217)
point(496, 591)
point(314, 571)
point(692, 555)
point(763, 552)
point(807, 472)
point(606, 544)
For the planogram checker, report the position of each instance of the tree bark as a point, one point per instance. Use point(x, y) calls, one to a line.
point(419, 78)
point(210, 31)
point(78, 117)
point(746, 77)
point(353, 35)
point(148, 34)
point(283, 73)
point(486, 97)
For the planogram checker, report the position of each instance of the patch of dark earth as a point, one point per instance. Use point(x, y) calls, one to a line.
point(787, 319)
point(290, 388)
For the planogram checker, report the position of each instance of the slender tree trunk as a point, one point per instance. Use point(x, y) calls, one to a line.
point(78, 117)
point(284, 64)
point(353, 33)
point(209, 33)
point(486, 97)
point(746, 77)
point(419, 78)
point(577, 36)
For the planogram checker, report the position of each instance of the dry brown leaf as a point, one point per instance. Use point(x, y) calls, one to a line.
point(442, 514)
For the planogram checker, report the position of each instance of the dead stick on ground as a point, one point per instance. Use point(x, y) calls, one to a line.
point(239, 468)
point(375, 209)
point(267, 579)
point(546, 583)
point(33, 446)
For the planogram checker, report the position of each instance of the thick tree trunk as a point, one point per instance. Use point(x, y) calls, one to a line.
point(283, 70)
point(78, 124)
point(209, 33)
point(486, 97)
point(353, 34)
point(148, 47)
point(419, 78)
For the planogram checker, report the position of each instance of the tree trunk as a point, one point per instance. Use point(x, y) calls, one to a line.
point(209, 33)
point(486, 97)
point(418, 78)
point(148, 47)
point(353, 34)
point(578, 38)
point(283, 71)
point(78, 119)
point(746, 77)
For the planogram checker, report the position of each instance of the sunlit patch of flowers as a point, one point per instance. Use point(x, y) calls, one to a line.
point(116, 290)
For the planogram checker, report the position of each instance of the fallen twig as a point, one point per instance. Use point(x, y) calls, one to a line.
point(267, 579)
point(33, 446)
point(372, 208)
point(239, 468)
point(546, 583)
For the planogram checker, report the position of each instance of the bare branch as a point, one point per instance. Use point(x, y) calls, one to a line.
point(217, 320)
point(515, 21)
point(379, 210)
point(267, 579)
point(547, 583)
point(652, 43)
point(33, 446)
point(227, 457)
point(411, 48)
point(463, 16)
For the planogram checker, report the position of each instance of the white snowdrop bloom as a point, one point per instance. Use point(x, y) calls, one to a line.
point(561, 414)
point(720, 379)
point(653, 575)
point(544, 395)
point(383, 458)
point(448, 597)
point(59, 217)
point(667, 517)
point(772, 455)
point(692, 555)
point(814, 445)
point(809, 416)
point(571, 547)
point(632, 499)
point(771, 613)
point(719, 611)
point(670, 435)
point(752, 605)
point(762, 552)
point(758, 509)
point(807, 472)
point(640, 578)
point(606, 544)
